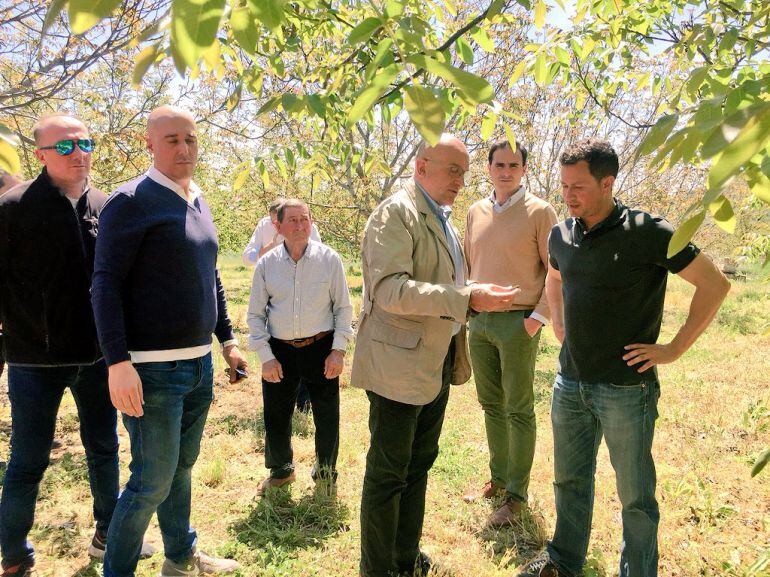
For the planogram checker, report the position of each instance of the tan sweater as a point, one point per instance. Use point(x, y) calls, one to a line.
point(511, 248)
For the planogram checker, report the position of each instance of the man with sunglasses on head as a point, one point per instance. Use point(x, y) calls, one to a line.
point(48, 230)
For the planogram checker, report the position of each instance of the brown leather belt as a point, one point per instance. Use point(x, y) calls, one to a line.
point(299, 343)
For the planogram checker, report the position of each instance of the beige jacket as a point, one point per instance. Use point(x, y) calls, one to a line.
point(410, 302)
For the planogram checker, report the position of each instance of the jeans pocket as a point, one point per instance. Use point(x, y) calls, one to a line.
point(159, 366)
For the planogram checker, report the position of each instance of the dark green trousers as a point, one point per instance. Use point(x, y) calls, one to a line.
point(404, 445)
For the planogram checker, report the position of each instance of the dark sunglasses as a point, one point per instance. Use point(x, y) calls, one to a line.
point(67, 147)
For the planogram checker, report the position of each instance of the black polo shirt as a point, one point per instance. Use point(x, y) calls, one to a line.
point(614, 284)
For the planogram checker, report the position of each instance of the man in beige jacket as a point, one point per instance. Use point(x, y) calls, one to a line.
point(411, 345)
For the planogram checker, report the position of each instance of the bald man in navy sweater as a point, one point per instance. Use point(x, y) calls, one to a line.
point(157, 299)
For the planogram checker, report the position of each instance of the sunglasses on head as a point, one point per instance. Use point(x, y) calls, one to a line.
point(66, 147)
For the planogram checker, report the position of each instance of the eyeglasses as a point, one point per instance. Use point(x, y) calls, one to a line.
point(454, 170)
point(67, 147)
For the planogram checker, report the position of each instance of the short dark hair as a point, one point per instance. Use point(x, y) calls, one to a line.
point(601, 157)
point(275, 205)
point(291, 203)
point(504, 143)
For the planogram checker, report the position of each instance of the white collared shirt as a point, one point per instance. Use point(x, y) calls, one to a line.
point(295, 300)
point(513, 199)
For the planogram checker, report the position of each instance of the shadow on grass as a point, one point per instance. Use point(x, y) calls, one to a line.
point(279, 525)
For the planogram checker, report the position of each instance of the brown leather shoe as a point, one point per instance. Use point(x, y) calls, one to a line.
point(488, 491)
point(272, 483)
point(508, 512)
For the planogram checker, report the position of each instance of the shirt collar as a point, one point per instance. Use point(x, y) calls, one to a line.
point(617, 215)
point(513, 199)
point(284, 254)
point(442, 212)
point(156, 175)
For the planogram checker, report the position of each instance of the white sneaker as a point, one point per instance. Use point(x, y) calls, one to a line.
point(199, 563)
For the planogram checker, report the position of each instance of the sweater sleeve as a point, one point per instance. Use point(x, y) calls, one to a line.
point(224, 327)
point(545, 223)
point(122, 225)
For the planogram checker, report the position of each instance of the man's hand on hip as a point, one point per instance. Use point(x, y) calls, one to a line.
point(334, 364)
point(492, 297)
point(272, 371)
point(650, 355)
point(126, 389)
point(235, 360)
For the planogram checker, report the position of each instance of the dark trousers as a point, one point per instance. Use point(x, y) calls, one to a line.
point(403, 447)
point(304, 364)
point(35, 394)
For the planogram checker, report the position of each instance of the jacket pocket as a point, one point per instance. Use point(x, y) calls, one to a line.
point(395, 336)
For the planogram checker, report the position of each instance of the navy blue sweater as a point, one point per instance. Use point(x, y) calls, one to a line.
point(155, 284)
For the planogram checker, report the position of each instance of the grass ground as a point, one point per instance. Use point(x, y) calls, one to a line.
point(714, 421)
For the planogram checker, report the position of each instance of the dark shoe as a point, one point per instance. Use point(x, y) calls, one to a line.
point(23, 569)
point(421, 567)
point(56, 444)
point(542, 567)
point(99, 544)
point(508, 512)
point(488, 491)
point(273, 483)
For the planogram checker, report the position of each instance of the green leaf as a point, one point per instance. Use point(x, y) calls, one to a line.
point(511, 138)
point(723, 214)
point(144, 60)
point(761, 463)
point(263, 173)
point(244, 28)
point(9, 158)
point(372, 93)
point(488, 125)
point(761, 188)
point(464, 50)
point(317, 105)
point(54, 10)
point(426, 113)
point(657, 134)
point(753, 137)
point(475, 89)
point(728, 131)
point(235, 98)
point(540, 69)
point(85, 14)
point(483, 40)
point(242, 176)
point(517, 72)
point(194, 27)
point(364, 31)
point(394, 9)
point(697, 77)
point(684, 234)
point(269, 106)
point(540, 11)
point(270, 12)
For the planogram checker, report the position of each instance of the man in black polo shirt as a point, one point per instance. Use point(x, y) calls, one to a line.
point(606, 285)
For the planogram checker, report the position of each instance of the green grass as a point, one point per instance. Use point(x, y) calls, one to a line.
point(714, 421)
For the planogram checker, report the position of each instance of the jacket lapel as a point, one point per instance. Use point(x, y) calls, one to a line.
point(433, 225)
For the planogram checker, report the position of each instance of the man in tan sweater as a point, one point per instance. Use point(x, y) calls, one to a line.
point(506, 243)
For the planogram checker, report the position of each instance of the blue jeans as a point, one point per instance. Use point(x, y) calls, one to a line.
point(35, 393)
point(165, 443)
point(625, 415)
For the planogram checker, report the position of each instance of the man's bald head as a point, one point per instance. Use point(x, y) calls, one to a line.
point(173, 141)
point(446, 140)
point(54, 123)
point(164, 113)
point(441, 169)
